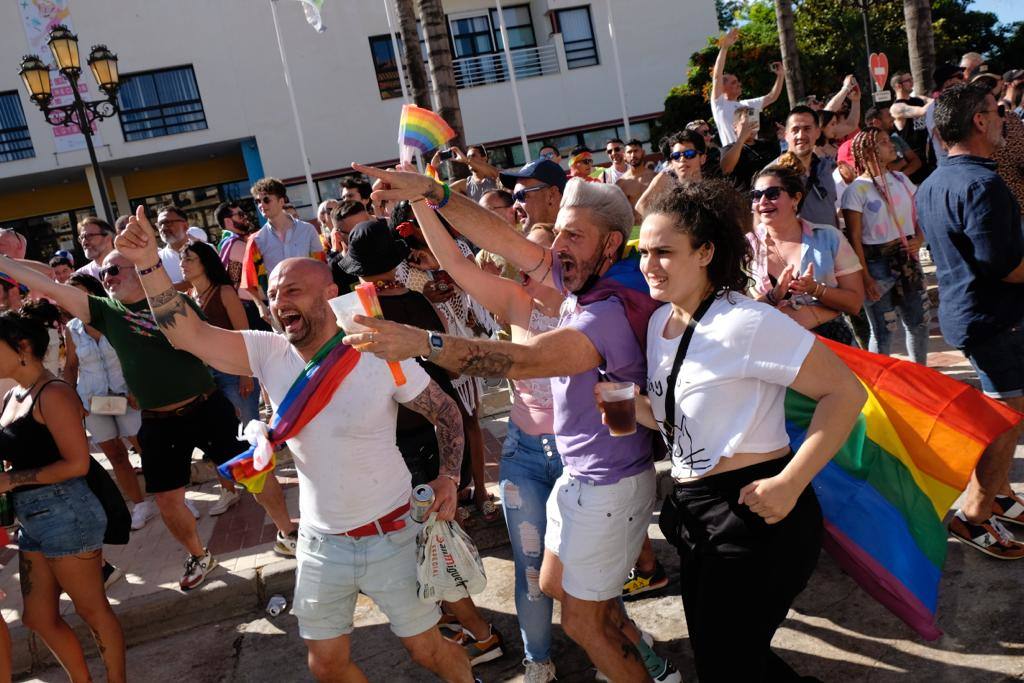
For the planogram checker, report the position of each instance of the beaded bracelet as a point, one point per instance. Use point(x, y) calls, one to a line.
point(156, 266)
point(444, 202)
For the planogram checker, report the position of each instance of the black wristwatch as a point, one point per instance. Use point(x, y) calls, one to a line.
point(436, 342)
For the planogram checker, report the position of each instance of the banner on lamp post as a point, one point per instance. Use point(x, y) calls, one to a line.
point(39, 17)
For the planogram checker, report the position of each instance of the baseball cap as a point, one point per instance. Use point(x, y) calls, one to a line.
point(1013, 75)
point(944, 72)
point(544, 170)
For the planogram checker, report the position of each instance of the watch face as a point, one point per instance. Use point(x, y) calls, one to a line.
point(436, 341)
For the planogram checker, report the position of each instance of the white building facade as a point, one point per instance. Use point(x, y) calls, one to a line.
point(205, 110)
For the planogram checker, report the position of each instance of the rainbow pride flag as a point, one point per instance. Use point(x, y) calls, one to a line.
point(422, 129)
point(885, 493)
point(306, 397)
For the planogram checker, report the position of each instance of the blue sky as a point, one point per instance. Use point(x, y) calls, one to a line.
point(1007, 10)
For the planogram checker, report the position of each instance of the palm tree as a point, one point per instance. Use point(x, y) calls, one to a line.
point(418, 86)
point(917, 15)
point(439, 57)
point(790, 55)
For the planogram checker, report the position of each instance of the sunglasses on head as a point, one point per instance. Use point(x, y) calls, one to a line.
point(111, 271)
point(520, 196)
point(685, 154)
point(771, 193)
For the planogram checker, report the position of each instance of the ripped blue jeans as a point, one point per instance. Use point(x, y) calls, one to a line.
point(530, 466)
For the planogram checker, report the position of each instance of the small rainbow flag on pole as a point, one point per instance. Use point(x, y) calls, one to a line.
point(421, 129)
point(885, 493)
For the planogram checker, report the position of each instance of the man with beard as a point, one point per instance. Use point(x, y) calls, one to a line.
point(601, 506)
point(357, 535)
point(802, 132)
point(181, 407)
point(173, 226)
point(97, 240)
point(236, 228)
point(616, 151)
point(637, 176)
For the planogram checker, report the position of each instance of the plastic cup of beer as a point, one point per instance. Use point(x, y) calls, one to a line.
point(619, 399)
point(346, 307)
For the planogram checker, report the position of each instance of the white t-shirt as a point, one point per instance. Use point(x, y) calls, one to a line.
point(877, 226)
point(723, 110)
point(172, 264)
point(90, 268)
point(611, 175)
point(350, 469)
point(731, 387)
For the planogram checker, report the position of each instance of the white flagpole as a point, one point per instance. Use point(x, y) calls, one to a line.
point(401, 77)
point(512, 79)
point(618, 72)
point(314, 195)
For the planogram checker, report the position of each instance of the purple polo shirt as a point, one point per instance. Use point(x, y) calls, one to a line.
point(588, 451)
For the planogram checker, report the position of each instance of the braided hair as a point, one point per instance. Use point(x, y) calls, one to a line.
point(865, 160)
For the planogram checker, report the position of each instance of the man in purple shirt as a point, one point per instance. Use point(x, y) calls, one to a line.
point(600, 508)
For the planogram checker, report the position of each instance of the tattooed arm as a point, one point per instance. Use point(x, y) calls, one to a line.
point(559, 353)
point(184, 329)
point(438, 407)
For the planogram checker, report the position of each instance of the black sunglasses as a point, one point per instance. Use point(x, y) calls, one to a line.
point(685, 154)
point(772, 193)
point(112, 271)
point(520, 196)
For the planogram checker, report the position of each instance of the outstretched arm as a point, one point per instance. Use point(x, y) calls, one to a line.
point(442, 411)
point(724, 43)
point(222, 349)
point(39, 279)
point(780, 79)
point(482, 227)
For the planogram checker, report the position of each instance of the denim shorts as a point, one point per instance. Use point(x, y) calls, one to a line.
point(60, 519)
point(999, 362)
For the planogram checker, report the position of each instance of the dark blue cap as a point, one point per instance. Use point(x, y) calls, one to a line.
point(544, 170)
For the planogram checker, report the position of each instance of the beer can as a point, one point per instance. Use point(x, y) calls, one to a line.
point(276, 605)
point(7, 510)
point(420, 502)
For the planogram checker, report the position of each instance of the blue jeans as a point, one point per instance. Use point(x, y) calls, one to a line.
point(530, 466)
point(910, 306)
point(60, 519)
point(247, 408)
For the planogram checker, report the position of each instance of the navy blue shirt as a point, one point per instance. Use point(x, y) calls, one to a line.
point(973, 226)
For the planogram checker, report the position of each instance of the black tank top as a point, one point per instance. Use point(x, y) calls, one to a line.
point(25, 443)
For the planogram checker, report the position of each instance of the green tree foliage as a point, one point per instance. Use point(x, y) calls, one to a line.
point(830, 38)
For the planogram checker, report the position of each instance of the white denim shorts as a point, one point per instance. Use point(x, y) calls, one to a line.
point(333, 570)
point(597, 531)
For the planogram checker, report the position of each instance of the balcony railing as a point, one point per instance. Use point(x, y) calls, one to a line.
point(493, 68)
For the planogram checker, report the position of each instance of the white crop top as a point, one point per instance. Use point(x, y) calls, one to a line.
point(732, 384)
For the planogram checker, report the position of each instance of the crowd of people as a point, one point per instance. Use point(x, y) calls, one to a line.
point(754, 241)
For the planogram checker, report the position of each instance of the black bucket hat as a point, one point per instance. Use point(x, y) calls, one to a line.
point(373, 248)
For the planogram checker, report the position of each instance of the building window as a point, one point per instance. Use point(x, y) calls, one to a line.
point(15, 142)
point(578, 37)
point(382, 51)
point(157, 103)
point(472, 36)
point(519, 25)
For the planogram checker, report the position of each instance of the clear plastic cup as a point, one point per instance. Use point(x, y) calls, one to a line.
point(346, 307)
point(619, 399)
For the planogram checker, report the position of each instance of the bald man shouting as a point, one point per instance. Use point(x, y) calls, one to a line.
point(355, 533)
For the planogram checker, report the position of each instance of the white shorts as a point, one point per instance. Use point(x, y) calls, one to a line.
point(597, 531)
point(106, 427)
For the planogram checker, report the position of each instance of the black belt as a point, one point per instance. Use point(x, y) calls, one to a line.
point(180, 411)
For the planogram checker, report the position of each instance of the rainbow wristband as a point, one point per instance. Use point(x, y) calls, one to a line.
point(444, 201)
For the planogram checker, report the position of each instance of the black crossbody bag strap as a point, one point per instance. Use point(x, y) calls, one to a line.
point(677, 364)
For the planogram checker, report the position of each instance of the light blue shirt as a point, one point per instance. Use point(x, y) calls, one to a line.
point(300, 240)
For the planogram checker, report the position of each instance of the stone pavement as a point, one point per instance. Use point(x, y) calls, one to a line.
point(835, 631)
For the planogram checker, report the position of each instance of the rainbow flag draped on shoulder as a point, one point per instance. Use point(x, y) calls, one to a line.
point(909, 457)
point(885, 493)
point(309, 393)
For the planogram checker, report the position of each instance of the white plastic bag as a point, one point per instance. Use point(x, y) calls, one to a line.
point(448, 566)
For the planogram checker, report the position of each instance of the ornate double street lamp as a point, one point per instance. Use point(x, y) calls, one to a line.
point(36, 75)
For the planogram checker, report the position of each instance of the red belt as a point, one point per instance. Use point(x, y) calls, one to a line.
point(390, 522)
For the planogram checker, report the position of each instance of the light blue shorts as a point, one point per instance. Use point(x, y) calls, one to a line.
point(60, 519)
point(332, 571)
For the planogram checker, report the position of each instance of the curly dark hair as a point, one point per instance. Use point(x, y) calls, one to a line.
point(713, 212)
point(29, 324)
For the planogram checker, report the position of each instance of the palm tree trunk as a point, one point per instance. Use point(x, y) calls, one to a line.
point(790, 55)
point(917, 15)
point(418, 86)
point(439, 57)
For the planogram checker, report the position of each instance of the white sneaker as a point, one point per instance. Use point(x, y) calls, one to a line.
point(285, 545)
point(192, 508)
point(196, 569)
point(142, 513)
point(228, 498)
point(539, 672)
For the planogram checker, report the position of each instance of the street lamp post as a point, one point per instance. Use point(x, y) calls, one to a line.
point(103, 63)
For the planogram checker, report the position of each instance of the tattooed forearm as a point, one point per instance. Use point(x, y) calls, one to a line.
point(167, 306)
point(478, 361)
point(441, 409)
point(22, 477)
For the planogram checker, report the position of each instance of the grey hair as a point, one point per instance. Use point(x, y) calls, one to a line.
point(607, 202)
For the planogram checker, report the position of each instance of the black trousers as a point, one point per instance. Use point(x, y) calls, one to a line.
point(739, 575)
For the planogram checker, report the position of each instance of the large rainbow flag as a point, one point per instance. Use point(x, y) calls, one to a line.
point(307, 396)
point(885, 493)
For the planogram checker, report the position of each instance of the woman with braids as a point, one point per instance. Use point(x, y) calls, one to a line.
point(742, 514)
point(882, 223)
point(62, 522)
point(807, 271)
